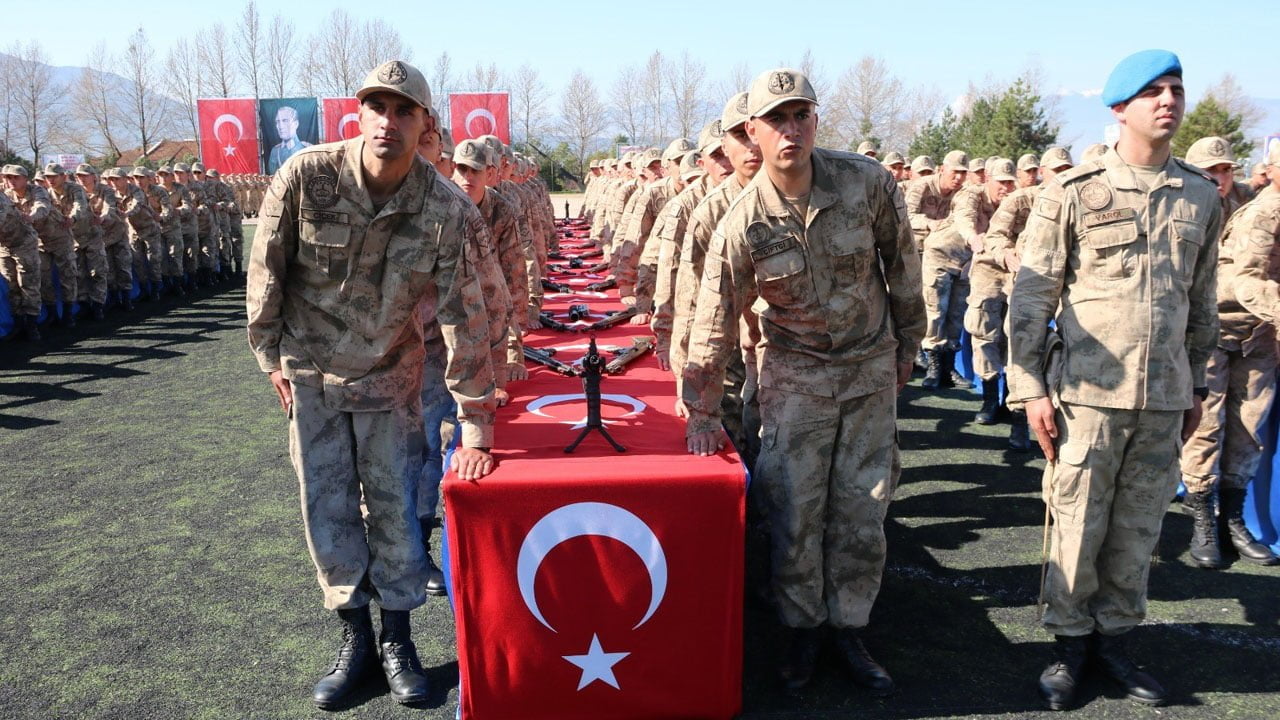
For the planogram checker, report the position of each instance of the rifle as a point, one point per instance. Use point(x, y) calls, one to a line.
point(555, 286)
point(602, 285)
point(598, 267)
point(639, 346)
point(614, 318)
point(550, 322)
point(543, 357)
point(579, 312)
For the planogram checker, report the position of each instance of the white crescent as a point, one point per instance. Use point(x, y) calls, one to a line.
point(536, 406)
point(480, 112)
point(589, 294)
point(591, 518)
point(348, 118)
point(228, 118)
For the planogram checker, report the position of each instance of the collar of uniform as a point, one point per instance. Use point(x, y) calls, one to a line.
point(1121, 176)
point(822, 190)
point(351, 183)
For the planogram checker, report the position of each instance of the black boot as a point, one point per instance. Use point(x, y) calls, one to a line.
point(951, 378)
point(990, 402)
point(175, 286)
point(1231, 510)
point(435, 577)
point(1019, 433)
point(801, 658)
point(126, 302)
point(355, 657)
point(1204, 531)
point(1114, 660)
point(69, 314)
point(933, 373)
point(404, 672)
point(1059, 681)
point(98, 310)
point(866, 671)
point(51, 312)
point(922, 360)
point(30, 328)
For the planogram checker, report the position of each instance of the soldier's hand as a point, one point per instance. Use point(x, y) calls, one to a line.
point(283, 392)
point(681, 410)
point(1012, 261)
point(533, 325)
point(1040, 419)
point(1191, 418)
point(471, 463)
point(975, 243)
point(517, 371)
point(639, 319)
point(904, 373)
point(706, 443)
point(664, 360)
point(628, 300)
point(502, 396)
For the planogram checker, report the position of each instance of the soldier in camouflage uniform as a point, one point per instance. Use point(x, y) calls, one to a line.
point(1120, 253)
point(343, 346)
point(91, 256)
point(1258, 180)
point(524, 231)
point(977, 171)
point(185, 206)
point(1028, 171)
point(57, 246)
point(819, 244)
point(207, 231)
point(115, 231)
point(1224, 453)
point(626, 238)
point(946, 284)
point(170, 229)
point(688, 170)
point(222, 205)
point(1213, 155)
point(20, 267)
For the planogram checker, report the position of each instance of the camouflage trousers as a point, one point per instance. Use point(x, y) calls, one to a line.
point(533, 270)
point(20, 267)
point(984, 321)
point(1227, 446)
point(945, 294)
point(237, 240)
point(190, 252)
point(119, 266)
point(91, 271)
point(173, 252)
point(340, 457)
point(829, 470)
point(60, 255)
point(224, 241)
point(148, 257)
point(208, 250)
point(1116, 473)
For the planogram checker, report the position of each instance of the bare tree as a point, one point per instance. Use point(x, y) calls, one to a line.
point(146, 114)
point(442, 83)
point(338, 54)
point(310, 82)
point(868, 99)
point(485, 79)
point(182, 81)
point(37, 98)
point(528, 103)
point(687, 81)
point(628, 101)
point(251, 48)
point(219, 77)
point(8, 89)
point(739, 80)
point(380, 43)
point(96, 93)
point(1232, 97)
point(281, 54)
point(655, 99)
point(583, 117)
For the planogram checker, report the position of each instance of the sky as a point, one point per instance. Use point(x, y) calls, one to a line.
point(944, 45)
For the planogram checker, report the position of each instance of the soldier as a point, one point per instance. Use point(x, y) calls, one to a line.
point(977, 171)
point(1093, 152)
point(633, 230)
point(115, 231)
point(343, 346)
point(1120, 254)
point(1258, 180)
point(223, 204)
point(185, 207)
point(207, 230)
point(677, 180)
point(929, 196)
point(1213, 155)
point(946, 282)
point(869, 148)
point(1028, 171)
point(820, 245)
point(161, 257)
point(144, 233)
point(57, 246)
point(445, 165)
point(1224, 452)
point(20, 268)
point(91, 256)
point(591, 190)
point(896, 166)
point(235, 219)
point(495, 179)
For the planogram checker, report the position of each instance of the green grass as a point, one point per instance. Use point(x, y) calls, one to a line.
point(153, 555)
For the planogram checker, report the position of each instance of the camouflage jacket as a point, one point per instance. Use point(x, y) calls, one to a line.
point(15, 232)
point(1249, 277)
point(105, 207)
point(185, 205)
point(162, 206)
point(670, 233)
point(44, 216)
point(927, 207)
point(971, 211)
point(74, 206)
point(636, 229)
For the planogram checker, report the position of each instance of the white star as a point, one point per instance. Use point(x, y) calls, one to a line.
point(229, 150)
point(597, 664)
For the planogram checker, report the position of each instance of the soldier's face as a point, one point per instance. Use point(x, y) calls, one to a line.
point(166, 179)
point(978, 177)
point(88, 182)
point(897, 170)
point(952, 179)
point(57, 181)
point(118, 183)
point(446, 166)
point(653, 171)
point(471, 181)
point(1050, 173)
point(429, 146)
point(1224, 175)
point(1155, 113)
point(1027, 178)
point(181, 176)
point(717, 165)
point(786, 134)
point(743, 153)
point(11, 183)
point(998, 189)
point(391, 125)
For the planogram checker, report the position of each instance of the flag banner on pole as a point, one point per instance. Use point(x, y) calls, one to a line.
point(229, 134)
point(341, 121)
point(288, 125)
point(474, 114)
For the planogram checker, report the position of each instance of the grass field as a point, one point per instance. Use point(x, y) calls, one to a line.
point(152, 548)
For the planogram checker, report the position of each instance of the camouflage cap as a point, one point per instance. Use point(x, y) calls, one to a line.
point(646, 158)
point(197, 167)
point(1094, 151)
point(1001, 170)
point(955, 160)
point(14, 169)
point(140, 171)
point(922, 164)
point(446, 141)
point(54, 169)
point(1028, 162)
point(400, 78)
point(893, 158)
point(495, 148)
point(710, 137)
point(611, 163)
point(1259, 168)
point(213, 172)
point(1055, 158)
point(977, 164)
point(181, 167)
point(677, 149)
point(628, 158)
point(689, 167)
point(164, 170)
point(735, 112)
point(1211, 151)
point(866, 147)
point(508, 153)
point(86, 169)
point(775, 87)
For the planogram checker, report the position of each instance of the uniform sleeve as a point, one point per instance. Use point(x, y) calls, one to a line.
point(1202, 312)
point(41, 207)
point(915, 209)
point(493, 290)
point(274, 245)
point(1037, 290)
point(646, 271)
point(727, 278)
point(901, 266)
point(1249, 278)
point(1000, 237)
point(463, 326)
point(627, 256)
point(665, 281)
point(81, 214)
point(965, 215)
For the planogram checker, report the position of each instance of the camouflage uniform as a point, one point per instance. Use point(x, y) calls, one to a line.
point(145, 238)
point(524, 232)
point(170, 231)
point(218, 199)
point(838, 295)
point(207, 227)
point(115, 237)
point(348, 337)
point(184, 203)
point(671, 234)
point(19, 259)
point(945, 263)
point(500, 216)
point(971, 213)
point(57, 247)
point(1127, 274)
point(636, 235)
point(927, 207)
point(91, 256)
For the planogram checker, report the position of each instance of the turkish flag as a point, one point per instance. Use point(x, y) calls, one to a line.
point(474, 114)
point(229, 135)
point(341, 121)
point(597, 584)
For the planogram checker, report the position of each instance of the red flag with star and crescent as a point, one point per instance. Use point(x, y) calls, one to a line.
point(341, 119)
point(229, 134)
point(472, 115)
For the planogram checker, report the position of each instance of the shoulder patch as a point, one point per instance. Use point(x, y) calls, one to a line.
point(1095, 195)
point(322, 191)
point(1078, 172)
point(1048, 208)
point(1268, 222)
point(758, 233)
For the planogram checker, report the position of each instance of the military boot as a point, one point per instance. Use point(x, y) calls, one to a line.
point(801, 658)
point(933, 374)
point(1231, 510)
point(865, 671)
point(1115, 662)
point(405, 677)
point(1019, 433)
point(98, 311)
point(30, 328)
point(951, 378)
point(51, 312)
point(355, 657)
point(990, 402)
point(69, 314)
point(175, 286)
point(922, 360)
point(240, 276)
point(1059, 681)
point(435, 577)
point(126, 302)
point(1204, 531)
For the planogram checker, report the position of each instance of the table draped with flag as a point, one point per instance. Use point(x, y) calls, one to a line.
point(597, 584)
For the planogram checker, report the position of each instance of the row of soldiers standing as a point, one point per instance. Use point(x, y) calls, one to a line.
point(171, 231)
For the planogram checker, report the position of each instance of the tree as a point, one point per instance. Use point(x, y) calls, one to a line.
point(1211, 117)
point(655, 97)
point(380, 43)
point(281, 55)
point(485, 79)
point(147, 114)
point(336, 59)
point(215, 51)
point(1008, 124)
point(250, 49)
point(628, 102)
point(528, 101)
point(687, 81)
point(583, 117)
point(8, 89)
point(442, 83)
point(935, 138)
point(96, 93)
point(40, 102)
point(183, 80)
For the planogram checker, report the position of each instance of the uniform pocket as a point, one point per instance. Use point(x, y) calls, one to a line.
point(850, 241)
point(782, 279)
point(1112, 251)
point(324, 246)
point(1190, 238)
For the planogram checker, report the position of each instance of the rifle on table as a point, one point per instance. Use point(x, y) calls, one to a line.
point(598, 267)
point(639, 346)
point(602, 285)
point(550, 322)
point(555, 286)
point(544, 358)
point(614, 318)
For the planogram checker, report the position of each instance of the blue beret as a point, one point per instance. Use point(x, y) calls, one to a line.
point(1136, 72)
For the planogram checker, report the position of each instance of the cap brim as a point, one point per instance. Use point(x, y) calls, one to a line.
point(365, 91)
point(780, 101)
point(706, 151)
point(1006, 178)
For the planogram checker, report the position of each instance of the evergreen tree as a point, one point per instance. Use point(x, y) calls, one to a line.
point(935, 138)
point(1210, 117)
point(1009, 124)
